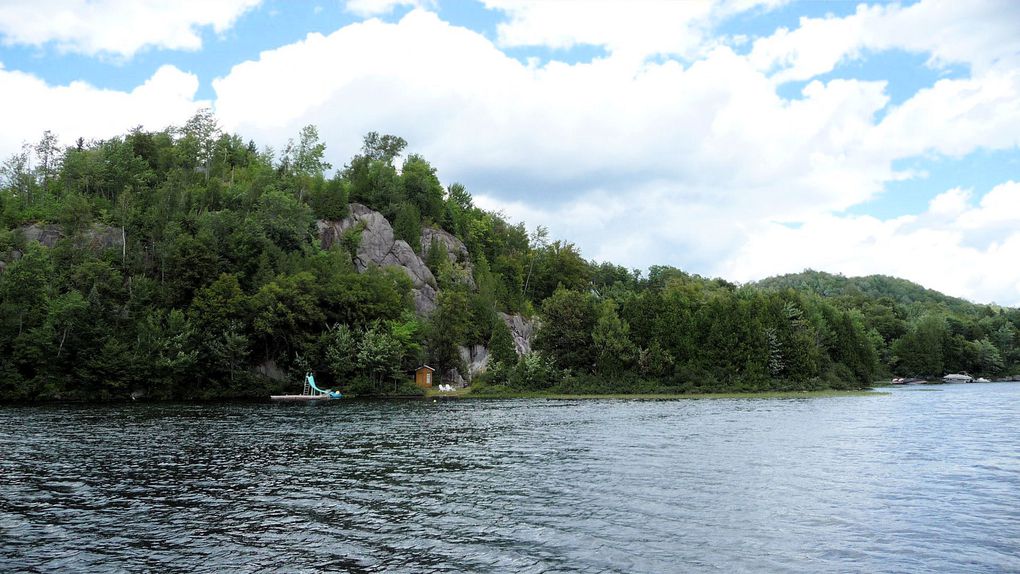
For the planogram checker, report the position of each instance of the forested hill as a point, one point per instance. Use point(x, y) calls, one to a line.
point(901, 291)
point(920, 332)
point(189, 263)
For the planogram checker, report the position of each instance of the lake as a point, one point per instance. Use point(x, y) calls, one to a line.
point(922, 479)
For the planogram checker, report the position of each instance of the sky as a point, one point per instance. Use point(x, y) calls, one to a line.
point(730, 138)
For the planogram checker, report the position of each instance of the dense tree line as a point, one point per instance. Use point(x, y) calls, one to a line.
point(219, 282)
point(917, 331)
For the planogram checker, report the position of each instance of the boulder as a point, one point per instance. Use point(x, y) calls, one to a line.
point(378, 247)
point(522, 330)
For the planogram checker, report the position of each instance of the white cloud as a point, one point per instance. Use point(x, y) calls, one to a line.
point(978, 33)
point(635, 29)
point(695, 163)
point(955, 117)
point(714, 128)
point(367, 8)
point(80, 110)
point(648, 162)
point(116, 27)
point(935, 248)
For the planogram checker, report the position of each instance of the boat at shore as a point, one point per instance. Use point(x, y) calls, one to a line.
point(310, 392)
point(958, 378)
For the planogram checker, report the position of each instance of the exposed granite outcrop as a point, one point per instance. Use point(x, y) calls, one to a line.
point(378, 247)
point(476, 359)
point(456, 252)
point(46, 235)
point(522, 330)
point(96, 238)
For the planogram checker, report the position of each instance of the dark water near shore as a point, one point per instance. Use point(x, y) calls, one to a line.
point(926, 479)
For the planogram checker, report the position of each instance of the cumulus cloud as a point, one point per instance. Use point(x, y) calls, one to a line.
point(692, 160)
point(715, 128)
point(32, 106)
point(116, 27)
point(957, 246)
point(635, 29)
point(649, 162)
point(367, 8)
point(980, 34)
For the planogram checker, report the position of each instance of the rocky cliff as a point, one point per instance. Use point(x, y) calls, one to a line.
point(456, 252)
point(96, 238)
point(378, 247)
point(522, 330)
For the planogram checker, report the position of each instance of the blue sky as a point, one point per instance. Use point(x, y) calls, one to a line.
point(739, 138)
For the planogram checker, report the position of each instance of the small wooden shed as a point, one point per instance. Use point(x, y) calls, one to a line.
point(423, 376)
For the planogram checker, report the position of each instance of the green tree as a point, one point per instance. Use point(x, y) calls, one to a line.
point(379, 356)
point(408, 225)
point(422, 188)
point(501, 345)
point(231, 349)
point(614, 351)
point(330, 201)
point(447, 330)
point(565, 335)
point(341, 351)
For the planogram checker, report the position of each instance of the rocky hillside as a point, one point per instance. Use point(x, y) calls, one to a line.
point(372, 237)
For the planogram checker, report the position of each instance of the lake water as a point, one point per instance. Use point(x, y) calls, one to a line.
point(924, 479)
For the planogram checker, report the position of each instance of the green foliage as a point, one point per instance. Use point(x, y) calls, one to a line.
point(436, 258)
point(329, 201)
point(221, 277)
point(421, 188)
point(408, 225)
point(447, 329)
point(568, 319)
point(614, 351)
point(501, 344)
point(558, 265)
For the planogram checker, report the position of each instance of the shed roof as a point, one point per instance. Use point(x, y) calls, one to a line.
point(425, 367)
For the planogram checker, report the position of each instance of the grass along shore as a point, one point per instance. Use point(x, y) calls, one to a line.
point(467, 393)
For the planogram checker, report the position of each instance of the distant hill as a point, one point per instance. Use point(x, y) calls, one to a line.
point(901, 291)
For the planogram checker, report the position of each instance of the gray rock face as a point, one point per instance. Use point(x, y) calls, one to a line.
point(378, 247)
point(103, 237)
point(476, 358)
point(97, 238)
point(270, 370)
point(453, 377)
point(522, 331)
point(456, 252)
point(47, 235)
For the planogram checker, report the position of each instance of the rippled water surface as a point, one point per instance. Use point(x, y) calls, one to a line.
point(921, 479)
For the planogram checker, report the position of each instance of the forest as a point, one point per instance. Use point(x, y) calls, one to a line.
point(189, 264)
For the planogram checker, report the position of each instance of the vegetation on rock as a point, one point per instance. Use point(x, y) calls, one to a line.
point(187, 263)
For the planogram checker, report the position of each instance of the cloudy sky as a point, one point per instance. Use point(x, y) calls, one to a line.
point(733, 138)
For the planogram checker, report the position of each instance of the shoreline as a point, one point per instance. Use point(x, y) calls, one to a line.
point(467, 394)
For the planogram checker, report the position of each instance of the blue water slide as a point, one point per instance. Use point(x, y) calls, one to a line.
point(311, 383)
